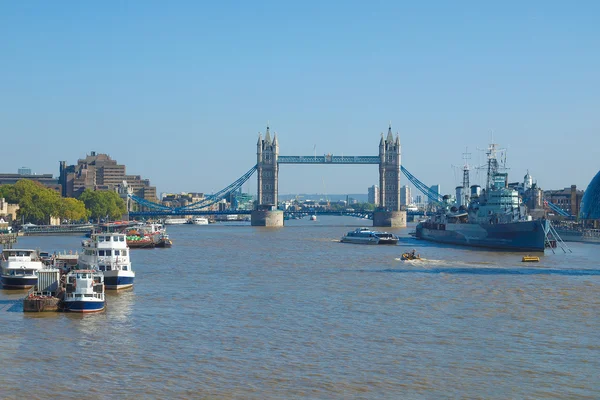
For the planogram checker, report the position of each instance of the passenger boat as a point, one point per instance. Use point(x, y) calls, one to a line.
point(84, 291)
point(109, 254)
point(313, 217)
point(200, 221)
point(19, 268)
point(175, 221)
point(368, 236)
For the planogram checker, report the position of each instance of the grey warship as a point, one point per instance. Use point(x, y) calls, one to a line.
point(493, 218)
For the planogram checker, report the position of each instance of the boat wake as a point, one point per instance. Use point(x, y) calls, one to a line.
point(428, 269)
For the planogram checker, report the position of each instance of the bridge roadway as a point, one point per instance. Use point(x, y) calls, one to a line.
point(328, 159)
point(247, 212)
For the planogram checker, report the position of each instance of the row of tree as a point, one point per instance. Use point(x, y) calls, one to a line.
point(37, 203)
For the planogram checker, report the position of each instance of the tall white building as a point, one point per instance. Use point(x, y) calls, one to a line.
point(405, 195)
point(373, 195)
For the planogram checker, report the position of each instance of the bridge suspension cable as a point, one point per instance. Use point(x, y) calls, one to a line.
point(220, 195)
point(557, 209)
point(149, 204)
point(423, 188)
point(206, 202)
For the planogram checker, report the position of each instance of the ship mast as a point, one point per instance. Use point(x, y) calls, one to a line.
point(466, 157)
point(492, 165)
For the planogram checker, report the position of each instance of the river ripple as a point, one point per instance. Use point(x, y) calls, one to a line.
point(243, 312)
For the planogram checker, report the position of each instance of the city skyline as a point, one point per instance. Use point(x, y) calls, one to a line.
point(180, 93)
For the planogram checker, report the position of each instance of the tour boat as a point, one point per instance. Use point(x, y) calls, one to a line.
point(19, 268)
point(200, 221)
point(84, 291)
point(109, 254)
point(368, 236)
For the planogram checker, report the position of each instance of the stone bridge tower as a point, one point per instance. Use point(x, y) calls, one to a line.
point(389, 213)
point(267, 152)
point(389, 172)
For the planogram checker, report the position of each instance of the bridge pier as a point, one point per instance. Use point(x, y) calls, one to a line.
point(269, 218)
point(391, 219)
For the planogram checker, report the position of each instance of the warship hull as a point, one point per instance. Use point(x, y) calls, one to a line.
point(527, 236)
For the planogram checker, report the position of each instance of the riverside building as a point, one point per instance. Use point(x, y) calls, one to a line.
point(100, 172)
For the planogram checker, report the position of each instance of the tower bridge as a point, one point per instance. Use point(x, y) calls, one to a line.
point(268, 160)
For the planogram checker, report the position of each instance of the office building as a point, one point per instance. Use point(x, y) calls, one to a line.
point(373, 195)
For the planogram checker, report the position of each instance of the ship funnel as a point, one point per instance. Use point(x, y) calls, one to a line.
point(475, 191)
point(460, 196)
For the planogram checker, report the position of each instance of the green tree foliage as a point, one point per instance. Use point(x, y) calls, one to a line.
point(102, 204)
point(73, 209)
point(36, 202)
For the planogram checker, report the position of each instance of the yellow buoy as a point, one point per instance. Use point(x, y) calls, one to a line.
point(530, 259)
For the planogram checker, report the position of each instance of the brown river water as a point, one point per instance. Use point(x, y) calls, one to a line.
point(238, 312)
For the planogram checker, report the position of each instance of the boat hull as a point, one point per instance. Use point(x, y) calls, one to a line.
point(586, 236)
point(117, 282)
point(517, 236)
point(84, 306)
point(369, 241)
point(9, 282)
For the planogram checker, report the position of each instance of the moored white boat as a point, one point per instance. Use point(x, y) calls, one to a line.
point(200, 221)
point(109, 254)
point(175, 221)
point(19, 268)
point(368, 236)
point(84, 291)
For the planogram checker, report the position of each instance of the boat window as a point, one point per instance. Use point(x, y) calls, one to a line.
point(88, 295)
point(116, 252)
point(78, 295)
point(121, 238)
point(124, 267)
point(108, 267)
point(123, 252)
point(101, 238)
point(101, 267)
point(101, 253)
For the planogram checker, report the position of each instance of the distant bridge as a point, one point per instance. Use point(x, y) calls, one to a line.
point(267, 168)
point(162, 213)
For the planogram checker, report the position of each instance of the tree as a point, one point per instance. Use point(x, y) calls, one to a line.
point(102, 204)
point(37, 203)
point(73, 209)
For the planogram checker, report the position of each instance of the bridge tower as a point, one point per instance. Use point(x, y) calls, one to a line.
point(267, 152)
point(389, 212)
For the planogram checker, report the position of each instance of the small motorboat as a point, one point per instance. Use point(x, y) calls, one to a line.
point(410, 256)
point(530, 259)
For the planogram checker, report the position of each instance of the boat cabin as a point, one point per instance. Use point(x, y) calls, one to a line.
point(18, 255)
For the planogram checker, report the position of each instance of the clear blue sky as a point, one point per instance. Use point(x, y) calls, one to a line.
point(178, 91)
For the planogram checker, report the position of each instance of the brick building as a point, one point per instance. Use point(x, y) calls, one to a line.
point(100, 172)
